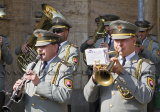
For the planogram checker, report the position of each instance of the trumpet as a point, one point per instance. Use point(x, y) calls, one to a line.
point(103, 76)
point(7, 107)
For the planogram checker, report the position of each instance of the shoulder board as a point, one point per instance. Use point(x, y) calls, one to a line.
point(74, 45)
point(152, 37)
point(66, 63)
point(148, 61)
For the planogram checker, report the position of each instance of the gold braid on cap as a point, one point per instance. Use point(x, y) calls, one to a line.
point(47, 41)
point(60, 26)
point(128, 34)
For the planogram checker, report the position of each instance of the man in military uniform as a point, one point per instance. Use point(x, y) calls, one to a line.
point(49, 89)
point(133, 78)
point(67, 51)
point(104, 41)
point(24, 47)
point(5, 57)
point(148, 47)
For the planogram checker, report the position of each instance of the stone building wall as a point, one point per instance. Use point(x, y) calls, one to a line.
point(80, 14)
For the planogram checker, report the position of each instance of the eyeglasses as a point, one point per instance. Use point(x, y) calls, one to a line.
point(58, 30)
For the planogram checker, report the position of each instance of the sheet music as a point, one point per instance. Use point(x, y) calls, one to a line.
point(97, 54)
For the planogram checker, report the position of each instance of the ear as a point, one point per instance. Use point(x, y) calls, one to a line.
point(55, 47)
point(134, 40)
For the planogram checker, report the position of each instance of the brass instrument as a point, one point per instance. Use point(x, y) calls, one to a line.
point(103, 76)
point(46, 23)
point(100, 32)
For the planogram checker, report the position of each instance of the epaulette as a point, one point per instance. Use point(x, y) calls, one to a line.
point(66, 63)
point(74, 45)
point(153, 37)
point(148, 61)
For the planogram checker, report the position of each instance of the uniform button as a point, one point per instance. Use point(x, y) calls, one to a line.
point(91, 87)
point(115, 82)
point(32, 104)
point(33, 93)
point(111, 106)
point(113, 93)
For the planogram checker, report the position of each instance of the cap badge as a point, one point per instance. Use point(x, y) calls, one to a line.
point(56, 20)
point(119, 27)
point(39, 35)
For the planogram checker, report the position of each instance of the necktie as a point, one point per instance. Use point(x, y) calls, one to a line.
point(110, 39)
point(124, 61)
point(43, 66)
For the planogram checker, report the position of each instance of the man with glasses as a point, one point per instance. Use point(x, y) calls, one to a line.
point(67, 51)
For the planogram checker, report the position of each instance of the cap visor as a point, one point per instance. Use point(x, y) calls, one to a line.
point(120, 37)
point(42, 43)
point(142, 29)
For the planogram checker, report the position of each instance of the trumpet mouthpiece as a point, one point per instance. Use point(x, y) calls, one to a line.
point(119, 49)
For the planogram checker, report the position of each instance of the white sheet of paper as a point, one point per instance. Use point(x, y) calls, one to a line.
point(97, 54)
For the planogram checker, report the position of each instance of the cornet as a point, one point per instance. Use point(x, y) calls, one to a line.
point(103, 76)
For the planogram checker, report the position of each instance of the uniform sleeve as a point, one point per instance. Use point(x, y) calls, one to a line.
point(84, 46)
point(61, 91)
point(153, 54)
point(142, 89)
point(91, 91)
point(18, 50)
point(73, 58)
point(6, 53)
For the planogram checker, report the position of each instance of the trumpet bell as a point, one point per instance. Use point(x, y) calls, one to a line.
point(104, 78)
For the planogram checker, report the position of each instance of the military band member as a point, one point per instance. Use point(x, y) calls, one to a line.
point(50, 89)
point(5, 58)
point(105, 41)
point(24, 47)
point(67, 51)
point(133, 83)
point(150, 46)
point(149, 49)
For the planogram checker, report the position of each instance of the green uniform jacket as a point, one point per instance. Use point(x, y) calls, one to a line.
point(110, 97)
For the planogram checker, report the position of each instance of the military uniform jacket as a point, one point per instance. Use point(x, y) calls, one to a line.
point(141, 90)
point(6, 57)
point(73, 54)
point(151, 50)
point(48, 97)
point(18, 48)
point(84, 46)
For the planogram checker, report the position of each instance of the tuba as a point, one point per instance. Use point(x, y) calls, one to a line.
point(103, 76)
point(46, 23)
point(99, 33)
